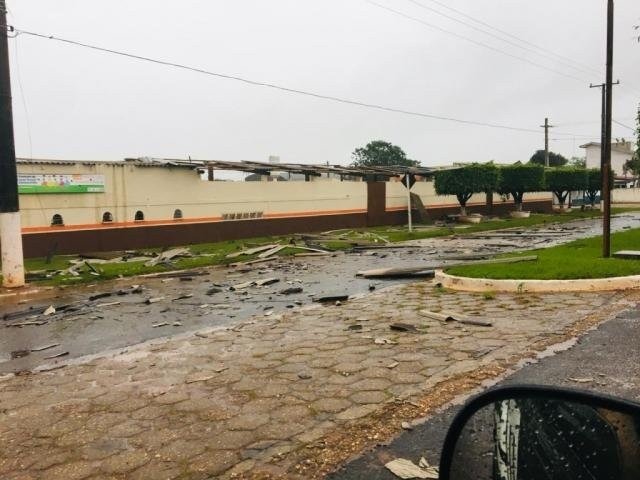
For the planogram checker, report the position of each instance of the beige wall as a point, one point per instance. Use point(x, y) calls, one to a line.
point(157, 192)
point(625, 195)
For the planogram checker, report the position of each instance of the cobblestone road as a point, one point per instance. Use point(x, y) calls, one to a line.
point(259, 398)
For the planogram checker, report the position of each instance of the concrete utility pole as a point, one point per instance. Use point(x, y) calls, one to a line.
point(606, 171)
point(546, 127)
point(10, 230)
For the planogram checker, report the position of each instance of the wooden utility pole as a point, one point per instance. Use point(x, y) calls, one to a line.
point(546, 127)
point(606, 171)
point(10, 230)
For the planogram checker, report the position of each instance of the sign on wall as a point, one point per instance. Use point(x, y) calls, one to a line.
point(60, 183)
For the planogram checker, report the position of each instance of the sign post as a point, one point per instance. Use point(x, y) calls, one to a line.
point(408, 181)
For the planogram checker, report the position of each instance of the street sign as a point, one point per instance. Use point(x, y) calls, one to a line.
point(412, 180)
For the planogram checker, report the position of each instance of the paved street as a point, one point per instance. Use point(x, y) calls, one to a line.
point(205, 301)
point(285, 395)
point(607, 357)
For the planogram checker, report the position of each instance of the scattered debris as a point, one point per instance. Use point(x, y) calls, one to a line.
point(384, 341)
point(57, 355)
point(149, 301)
point(403, 327)
point(393, 365)
point(406, 469)
point(162, 324)
point(252, 251)
point(423, 463)
point(49, 311)
point(20, 353)
point(335, 297)
point(177, 324)
point(110, 304)
point(213, 291)
point(354, 327)
point(406, 426)
point(169, 255)
point(266, 281)
point(304, 375)
point(45, 347)
point(182, 297)
point(272, 251)
point(409, 272)
point(199, 378)
point(454, 317)
point(291, 291)
point(580, 380)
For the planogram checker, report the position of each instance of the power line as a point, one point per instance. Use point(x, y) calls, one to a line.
point(503, 32)
point(475, 42)
point(554, 57)
point(274, 86)
point(623, 125)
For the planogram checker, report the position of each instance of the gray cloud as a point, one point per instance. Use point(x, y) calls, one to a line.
point(83, 104)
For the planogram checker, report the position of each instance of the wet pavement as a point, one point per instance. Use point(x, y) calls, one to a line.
point(608, 357)
point(290, 395)
point(119, 321)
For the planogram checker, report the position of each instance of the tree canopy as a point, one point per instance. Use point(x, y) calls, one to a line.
point(563, 180)
point(555, 159)
point(465, 181)
point(379, 153)
point(594, 184)
point(518, 179)
point(633, 164)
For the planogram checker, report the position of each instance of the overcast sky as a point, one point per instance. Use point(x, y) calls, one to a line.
point(82, 104)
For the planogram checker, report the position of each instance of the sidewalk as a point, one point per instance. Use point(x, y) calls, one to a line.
point(280, 396)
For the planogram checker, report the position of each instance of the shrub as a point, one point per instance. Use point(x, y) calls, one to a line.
point(518, 179)
point(563, 180)
point(465, 181)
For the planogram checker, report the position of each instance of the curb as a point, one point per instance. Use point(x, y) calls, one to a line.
point(468, 284)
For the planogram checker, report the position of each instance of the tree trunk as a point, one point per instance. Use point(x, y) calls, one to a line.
point(519, 206)
point(463, 210)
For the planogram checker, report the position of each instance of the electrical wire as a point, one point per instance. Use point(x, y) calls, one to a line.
point(515, 37)
point(475, 42)
point(275, 86)
point(24, 100)
point(553, 57)
point(623, 125)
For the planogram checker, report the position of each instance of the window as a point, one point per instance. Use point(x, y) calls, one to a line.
point(177, 214)
point(139, 216)
point(57, 220)
point(107, 217)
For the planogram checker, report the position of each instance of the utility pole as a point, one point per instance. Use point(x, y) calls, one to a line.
point(603, 132)
point(546, 127)
point(409, 215)
point(10, 230)
point(606, 171)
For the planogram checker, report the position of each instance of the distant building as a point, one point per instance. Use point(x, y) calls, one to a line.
point(620, 152)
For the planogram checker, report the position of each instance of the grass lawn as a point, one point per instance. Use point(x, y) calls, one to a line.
point(216, 253)
point(578, 259)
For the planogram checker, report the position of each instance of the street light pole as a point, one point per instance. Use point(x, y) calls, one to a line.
point(10, 230)
point(606, 171)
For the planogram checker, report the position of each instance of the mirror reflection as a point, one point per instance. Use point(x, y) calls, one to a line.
point(547, 439)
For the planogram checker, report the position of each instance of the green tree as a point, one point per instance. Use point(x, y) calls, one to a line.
point(633, 164)
point(594, 184)
point(563, 180)
point(555, 159)
point(517, 179)
point(465, 181)
point(379, 153)
point(578, 162)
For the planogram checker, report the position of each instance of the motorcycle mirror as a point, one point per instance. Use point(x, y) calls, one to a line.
point(543, 433)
